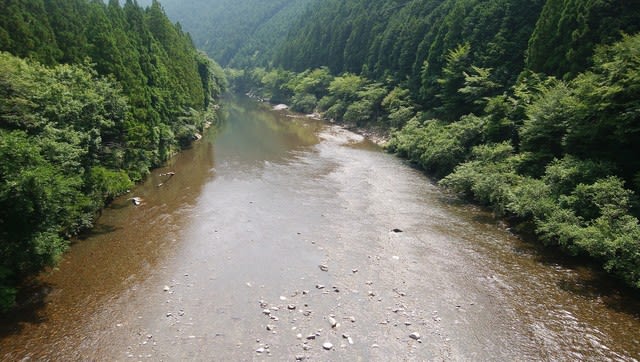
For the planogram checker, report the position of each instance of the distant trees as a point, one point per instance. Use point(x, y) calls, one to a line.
point(236, 33)
point(107, 92)
point(567, 33)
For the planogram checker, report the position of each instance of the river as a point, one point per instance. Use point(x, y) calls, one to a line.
point(278, 235)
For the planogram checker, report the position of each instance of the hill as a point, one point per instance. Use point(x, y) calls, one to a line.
point(236, 32)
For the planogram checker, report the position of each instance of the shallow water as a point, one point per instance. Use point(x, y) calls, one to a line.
point(243, 226)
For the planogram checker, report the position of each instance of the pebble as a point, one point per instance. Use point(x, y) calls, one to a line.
point(327, 345)
point(319, 286)
point(333, 322)
point(311, 336)
point(282, 297)
point(166, 288)
point(291, 307)
point(371, 293)
point(323, 267)
point(352, 319)
point(300, 358)
point(415, 335)
point(260, 350)
point(354, 271)
point(266, 311)
point(270, 327)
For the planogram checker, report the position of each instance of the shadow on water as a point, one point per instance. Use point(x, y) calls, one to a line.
point(31, 301)
point(97, 230)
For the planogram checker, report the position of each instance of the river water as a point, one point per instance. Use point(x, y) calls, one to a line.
point(221, 262)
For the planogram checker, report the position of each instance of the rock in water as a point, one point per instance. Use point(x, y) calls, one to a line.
point(333, 322)
point(280, 107)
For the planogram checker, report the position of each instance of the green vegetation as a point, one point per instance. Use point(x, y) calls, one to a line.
point(92, 95)
point(237, 33)
point(531, 108)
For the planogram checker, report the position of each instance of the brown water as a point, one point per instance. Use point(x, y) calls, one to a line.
point(251, 213)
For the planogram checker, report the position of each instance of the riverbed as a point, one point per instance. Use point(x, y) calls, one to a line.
point(284, 238)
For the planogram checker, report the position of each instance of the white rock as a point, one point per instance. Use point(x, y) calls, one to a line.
point(415, 335)
point(333, 322)
point(327, 345)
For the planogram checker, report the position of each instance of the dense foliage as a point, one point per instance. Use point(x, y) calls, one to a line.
point(237, 33)
point(107, 92)
point(410, 41)
point(567, 32)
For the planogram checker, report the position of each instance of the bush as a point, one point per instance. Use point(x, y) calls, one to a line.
point(304, 103)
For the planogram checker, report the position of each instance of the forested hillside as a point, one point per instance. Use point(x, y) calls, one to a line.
point(531, 108)
point(92, 95)
point(237, 33)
